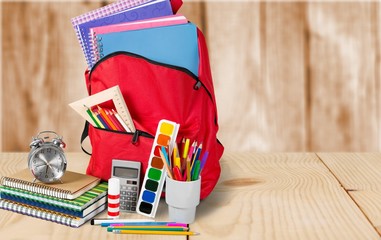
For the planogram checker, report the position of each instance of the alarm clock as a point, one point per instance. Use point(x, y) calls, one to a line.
point(46, 159)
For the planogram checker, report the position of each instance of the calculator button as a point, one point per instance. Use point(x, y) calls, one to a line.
point(123, 187)
point(133, 209)
point(134, 188)
point(133, 204)
point(134, 194)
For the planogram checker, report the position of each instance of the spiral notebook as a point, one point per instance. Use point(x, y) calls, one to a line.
point(80, 207)
point(47, 214)
point(156, 8)
point(107, 10)
point(73, 184)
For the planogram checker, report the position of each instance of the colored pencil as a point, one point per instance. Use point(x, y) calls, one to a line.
point(99, 221)
point(101, 121)
point(91, 115)
point(186, 148)
point(106, 118)
point(165, 161)
point(188, 170)
point(177, 174)
point(153, 223)
point(147, 228)
point(196, 170)
point(203, 160)
point(114, 120)
point(154, 232)
point(119, 118)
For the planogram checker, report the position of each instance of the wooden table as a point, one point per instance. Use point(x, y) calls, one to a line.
point(259, 196)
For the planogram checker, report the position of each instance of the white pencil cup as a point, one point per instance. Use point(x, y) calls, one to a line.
point(182, 199)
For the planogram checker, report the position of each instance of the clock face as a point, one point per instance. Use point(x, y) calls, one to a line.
point(47, 163)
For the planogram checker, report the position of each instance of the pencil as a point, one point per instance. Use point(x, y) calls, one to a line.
point(124, 125)
point(148, 228)
point(186, 148)
point(195, 170)
point(114, 120)
point(165, 163)
point(91, 115)
point(188, 170)
point(106, 118)
point(101, 121)
point(154, 232)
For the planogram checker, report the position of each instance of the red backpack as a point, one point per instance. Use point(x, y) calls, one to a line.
point(155, 91)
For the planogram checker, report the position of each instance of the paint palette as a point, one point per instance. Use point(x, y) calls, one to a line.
point(153, 182)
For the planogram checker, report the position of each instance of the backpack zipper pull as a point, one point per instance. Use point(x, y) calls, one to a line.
point(197, 85)
point(135, 138)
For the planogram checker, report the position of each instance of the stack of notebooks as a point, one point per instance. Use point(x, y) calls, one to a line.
point(148, 28)
point(76, 200)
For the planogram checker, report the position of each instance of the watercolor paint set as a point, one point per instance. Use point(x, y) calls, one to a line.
point(153, 182)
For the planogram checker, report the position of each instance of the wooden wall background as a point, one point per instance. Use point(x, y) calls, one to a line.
point(289, 76)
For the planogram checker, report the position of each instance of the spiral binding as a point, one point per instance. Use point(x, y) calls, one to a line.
point(95, 55)
point(86, 49)
point(35, 187)
point(37, 212)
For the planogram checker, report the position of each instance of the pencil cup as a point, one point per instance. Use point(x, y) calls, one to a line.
point(182, 199)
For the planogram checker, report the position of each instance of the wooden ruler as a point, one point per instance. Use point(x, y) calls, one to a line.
point(113, 94)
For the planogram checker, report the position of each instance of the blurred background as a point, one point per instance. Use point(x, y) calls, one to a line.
point(288, 76)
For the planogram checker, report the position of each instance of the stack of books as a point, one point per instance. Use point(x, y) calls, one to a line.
point(76, 200)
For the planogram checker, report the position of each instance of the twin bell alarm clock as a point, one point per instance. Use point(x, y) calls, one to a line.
point(46, 159)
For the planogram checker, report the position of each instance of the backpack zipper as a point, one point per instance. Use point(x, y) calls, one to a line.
point(196, 86)
point(135, 135)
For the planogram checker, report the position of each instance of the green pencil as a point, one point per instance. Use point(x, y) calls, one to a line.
point(92, 116)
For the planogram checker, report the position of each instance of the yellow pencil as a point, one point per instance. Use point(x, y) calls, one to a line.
point(186, 148)
point(153, 232)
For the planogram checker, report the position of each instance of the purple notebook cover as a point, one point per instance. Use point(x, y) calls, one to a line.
point(148, 10)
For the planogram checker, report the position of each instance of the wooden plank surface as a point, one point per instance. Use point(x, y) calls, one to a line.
point(343, 76)
point(43, 71)
point(359, 174)
point(34, 228)
point(258, 71)
point(1, 79)
point(279, 196)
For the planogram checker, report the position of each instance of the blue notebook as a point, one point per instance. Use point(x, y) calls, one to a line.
point(175, 45)
point(153, 9)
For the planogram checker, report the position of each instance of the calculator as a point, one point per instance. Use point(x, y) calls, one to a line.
point(128, 173)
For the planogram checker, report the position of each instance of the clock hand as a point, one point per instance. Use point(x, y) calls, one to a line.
point(46, 162)
point(40, 165)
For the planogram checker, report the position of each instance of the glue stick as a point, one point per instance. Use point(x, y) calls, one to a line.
point(113, 198)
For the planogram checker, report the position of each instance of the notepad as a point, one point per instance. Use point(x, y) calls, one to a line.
point(47, 214)
point(107, 10)
point(73, 184)
point(151, 9)
point(79, 207)
point(142, 24)
point(174, 45)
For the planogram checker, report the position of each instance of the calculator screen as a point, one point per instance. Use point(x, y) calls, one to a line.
point(123, 172)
